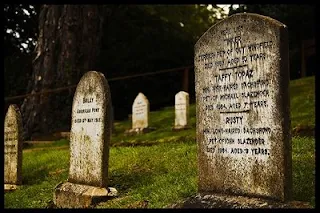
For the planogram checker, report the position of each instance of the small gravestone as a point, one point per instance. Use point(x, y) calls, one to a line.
point(181, 120)
point(140, 112)
point(12, 148)
point(140, 115)
point(242, 104)
point(89, 145)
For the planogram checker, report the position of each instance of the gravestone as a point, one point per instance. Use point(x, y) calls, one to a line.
point(89, 144)
point(140, 112)
point(181, 120)
point(140, 115)
point(12, 148)
point(242, 104)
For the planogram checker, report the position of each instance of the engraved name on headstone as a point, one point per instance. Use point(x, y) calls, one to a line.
point(89, 143)
point(242, 104)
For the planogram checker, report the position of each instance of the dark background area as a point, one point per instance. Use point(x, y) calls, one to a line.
point(140, 39)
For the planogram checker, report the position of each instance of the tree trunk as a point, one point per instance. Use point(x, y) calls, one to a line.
point(68, 46)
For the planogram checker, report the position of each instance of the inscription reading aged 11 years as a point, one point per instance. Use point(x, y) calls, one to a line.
point(242, 106)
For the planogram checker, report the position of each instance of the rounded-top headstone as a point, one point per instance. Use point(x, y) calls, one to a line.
point(181, 109)
point(90, 131)
point(13, 146)
point(242, 104)
point(140, 112)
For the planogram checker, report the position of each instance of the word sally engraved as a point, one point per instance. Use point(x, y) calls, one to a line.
point(90, 112)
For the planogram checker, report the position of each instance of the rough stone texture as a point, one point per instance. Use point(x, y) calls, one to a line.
point(112, 120)
point(89, 140)
point(90, 131)
point(222, 201)
point(243, 117)
point(181, 120)
point(80, 196)
point(140, 112)
point(12, 148)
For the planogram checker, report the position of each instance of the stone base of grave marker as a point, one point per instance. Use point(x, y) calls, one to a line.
point(10, 187)
point(223, 201)
point(139, 131)
point(180, 128)
point(71, 195)
point(62, 135)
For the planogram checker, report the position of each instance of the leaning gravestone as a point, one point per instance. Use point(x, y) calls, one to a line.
point(243, 117)
point(181, 120)
point(12, 148)
point(89, 144)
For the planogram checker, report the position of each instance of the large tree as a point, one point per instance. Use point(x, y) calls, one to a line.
point(117, 40)
point(67, 46)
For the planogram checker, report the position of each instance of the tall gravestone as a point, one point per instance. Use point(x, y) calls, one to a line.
point(181, 120)
point(242, 101)
point(12, 148)
point(140, 112)
point(89, 144)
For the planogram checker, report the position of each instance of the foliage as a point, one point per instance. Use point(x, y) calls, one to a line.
point(147, 38)
point(136, 39)
point(20, 27)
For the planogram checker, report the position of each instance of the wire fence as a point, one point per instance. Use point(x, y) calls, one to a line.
point(7, 99)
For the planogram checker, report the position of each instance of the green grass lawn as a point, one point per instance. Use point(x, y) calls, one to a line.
point(161, 166)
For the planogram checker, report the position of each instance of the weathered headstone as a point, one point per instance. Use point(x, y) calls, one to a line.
point(242, 101)
point(89, 144)
point(140, 114)
point(112, 119)
point(12, 148)
point(181, 120)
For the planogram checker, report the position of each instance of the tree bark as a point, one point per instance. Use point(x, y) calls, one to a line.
point(68, 46)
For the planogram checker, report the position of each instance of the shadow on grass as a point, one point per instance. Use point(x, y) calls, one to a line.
point(303, 131)
point(37, 175)
point(181, 139)
point(124, 181)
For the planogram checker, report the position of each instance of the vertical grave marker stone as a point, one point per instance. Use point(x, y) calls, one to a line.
point(140, 112)
point(12, 148)
point(181, 120)
point(140, 115)
point(89, 144)
point(243, 117)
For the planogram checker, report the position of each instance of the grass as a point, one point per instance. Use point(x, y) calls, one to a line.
point(163, 123)
point(302, 103)
point(160, 167)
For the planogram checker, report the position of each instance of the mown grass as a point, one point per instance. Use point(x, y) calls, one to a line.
point(302, 103)
point(42, 170)
point(160, 167)
point(163, 123)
